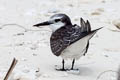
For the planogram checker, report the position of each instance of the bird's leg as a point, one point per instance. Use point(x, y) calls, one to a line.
point(63, 68)
point(63, 62)
point(73, 64)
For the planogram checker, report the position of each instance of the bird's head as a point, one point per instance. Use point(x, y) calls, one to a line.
point(56, 21)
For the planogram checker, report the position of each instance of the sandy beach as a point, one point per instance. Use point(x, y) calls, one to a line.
point(30, 45)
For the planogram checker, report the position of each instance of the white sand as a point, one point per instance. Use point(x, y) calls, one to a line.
point(32, 50)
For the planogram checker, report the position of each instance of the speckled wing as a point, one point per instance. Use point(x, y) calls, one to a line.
point(67, 35)
point(84, 30)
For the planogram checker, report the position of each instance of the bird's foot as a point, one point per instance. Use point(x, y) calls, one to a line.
point(67, 69)
point(74, 69)
point(62, 69)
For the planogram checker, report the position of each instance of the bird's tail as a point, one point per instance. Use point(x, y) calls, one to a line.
point(92, 33)
point(85, 26)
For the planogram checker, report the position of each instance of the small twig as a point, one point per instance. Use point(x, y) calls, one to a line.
point(10, 69)
point(21, 27)
point(104, 73)
point(117, 26)
point(13, 24)
point(118, 77)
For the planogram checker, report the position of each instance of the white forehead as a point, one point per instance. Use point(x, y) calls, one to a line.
point(55, 17)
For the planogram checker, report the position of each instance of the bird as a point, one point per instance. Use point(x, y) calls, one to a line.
point(70, 41)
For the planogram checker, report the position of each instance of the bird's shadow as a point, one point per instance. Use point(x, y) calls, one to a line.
point(85, 71)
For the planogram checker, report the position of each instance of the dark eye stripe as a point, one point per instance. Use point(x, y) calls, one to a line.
point(56, 20)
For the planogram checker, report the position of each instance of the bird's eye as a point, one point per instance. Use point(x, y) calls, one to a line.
point(56, 20)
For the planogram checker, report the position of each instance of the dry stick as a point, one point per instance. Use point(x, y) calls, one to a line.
point(10, 69)
point(20, 27)
point(118, 77)
point(98, 77)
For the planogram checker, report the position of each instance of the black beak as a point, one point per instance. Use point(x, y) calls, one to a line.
point(43, 24)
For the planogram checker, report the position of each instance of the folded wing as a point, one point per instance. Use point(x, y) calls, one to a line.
point(67, 35)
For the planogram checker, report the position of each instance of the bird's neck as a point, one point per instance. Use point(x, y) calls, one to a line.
point(54, 27)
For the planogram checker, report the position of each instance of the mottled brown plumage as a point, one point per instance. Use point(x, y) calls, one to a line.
point(67, 35)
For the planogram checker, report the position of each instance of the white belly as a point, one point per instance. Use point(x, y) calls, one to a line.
point(74, 51)
point(77, 49)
